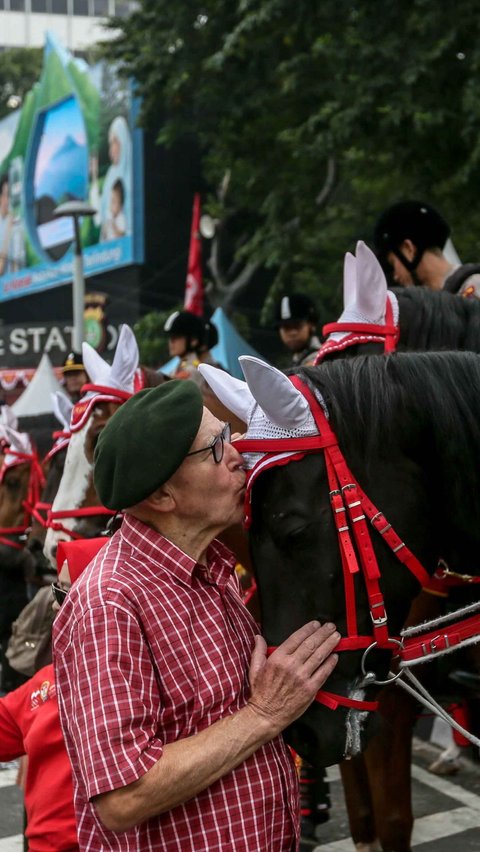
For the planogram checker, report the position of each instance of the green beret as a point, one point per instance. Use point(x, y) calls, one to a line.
point(145, 442)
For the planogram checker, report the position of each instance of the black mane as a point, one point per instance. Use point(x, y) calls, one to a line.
point(437, 321)
point(428, 399)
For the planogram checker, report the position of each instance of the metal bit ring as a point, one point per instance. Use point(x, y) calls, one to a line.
point(368, 674)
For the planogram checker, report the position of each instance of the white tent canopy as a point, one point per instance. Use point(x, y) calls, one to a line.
point(36, 399)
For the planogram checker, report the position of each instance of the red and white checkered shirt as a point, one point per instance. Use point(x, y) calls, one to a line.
point(151, 647)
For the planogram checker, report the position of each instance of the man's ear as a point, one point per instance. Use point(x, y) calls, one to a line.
point(162, 500)
point(408, 249)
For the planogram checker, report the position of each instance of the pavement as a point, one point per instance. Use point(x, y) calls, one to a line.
point(446, 809)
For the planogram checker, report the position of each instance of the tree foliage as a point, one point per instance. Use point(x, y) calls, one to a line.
point(151, 338)
point(322, 111)
point(19, 69)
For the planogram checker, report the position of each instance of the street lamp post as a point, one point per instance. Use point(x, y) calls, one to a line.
point(74, 210)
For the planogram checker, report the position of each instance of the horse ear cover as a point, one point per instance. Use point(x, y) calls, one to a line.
point(234, 394)
point(145, 442)
point(121, 373)
point(371, 284)
point(283, 404)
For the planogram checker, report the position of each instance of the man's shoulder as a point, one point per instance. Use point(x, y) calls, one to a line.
point(102, 584)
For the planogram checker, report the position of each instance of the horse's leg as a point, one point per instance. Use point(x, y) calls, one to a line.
point(358, 801)
point(389, 754)
point(388, 758)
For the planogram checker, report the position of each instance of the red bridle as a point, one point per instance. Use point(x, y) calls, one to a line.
point(352, 510)
point(359, 332)
point(36, 481)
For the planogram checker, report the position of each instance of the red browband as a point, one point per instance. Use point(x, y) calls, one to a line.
point(360, 332)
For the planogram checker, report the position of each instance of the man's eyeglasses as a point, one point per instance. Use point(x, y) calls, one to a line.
point(59, 594)
point(217, 445)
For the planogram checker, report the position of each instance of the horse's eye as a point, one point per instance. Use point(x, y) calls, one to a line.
point(297, 537)
point(297, 533)
point(13, 484)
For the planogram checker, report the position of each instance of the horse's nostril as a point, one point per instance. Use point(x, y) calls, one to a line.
point(53, 551)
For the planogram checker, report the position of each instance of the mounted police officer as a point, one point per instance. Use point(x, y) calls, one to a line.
point(410, 237)
point(296, 319)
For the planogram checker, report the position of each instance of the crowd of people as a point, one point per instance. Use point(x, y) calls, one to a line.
point(159, 724)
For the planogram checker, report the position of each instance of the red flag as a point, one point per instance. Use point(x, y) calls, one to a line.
point(194, 285)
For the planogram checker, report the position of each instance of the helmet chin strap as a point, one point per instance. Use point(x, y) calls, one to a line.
point(411, 265)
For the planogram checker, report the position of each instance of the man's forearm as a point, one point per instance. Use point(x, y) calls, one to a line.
point(186, 767)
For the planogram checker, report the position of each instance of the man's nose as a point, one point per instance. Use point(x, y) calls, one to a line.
point(232, 454)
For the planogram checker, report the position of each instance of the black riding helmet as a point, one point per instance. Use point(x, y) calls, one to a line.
point(211, 334)
point(410, 220)
point(188, 325)
point(295, 308)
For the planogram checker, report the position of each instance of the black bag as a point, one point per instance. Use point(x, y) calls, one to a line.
point(30, 645)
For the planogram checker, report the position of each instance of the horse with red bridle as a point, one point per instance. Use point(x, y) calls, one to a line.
point(392, 421)
point(21, 480)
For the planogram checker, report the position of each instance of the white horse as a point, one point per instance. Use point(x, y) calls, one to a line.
point(76, 511)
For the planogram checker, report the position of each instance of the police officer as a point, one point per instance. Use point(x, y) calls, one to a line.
point(410, 238)
point(296, 319)
point(74, 375)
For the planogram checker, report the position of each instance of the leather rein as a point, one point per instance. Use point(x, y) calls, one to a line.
point(353, 512)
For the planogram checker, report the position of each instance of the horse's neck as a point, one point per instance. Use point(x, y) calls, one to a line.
point(428, 322)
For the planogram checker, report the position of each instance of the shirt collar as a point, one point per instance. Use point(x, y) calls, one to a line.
point(164, 553)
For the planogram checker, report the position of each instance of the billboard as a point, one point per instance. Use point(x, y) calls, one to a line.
point(74, 139)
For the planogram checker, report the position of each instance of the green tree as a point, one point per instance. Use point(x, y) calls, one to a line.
point(19, 69)
point(151, 338)
point(322, 112)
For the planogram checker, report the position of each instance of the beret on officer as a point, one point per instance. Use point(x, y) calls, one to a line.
point(145, 442)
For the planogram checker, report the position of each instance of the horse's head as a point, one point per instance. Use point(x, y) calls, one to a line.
point(368, 324)
point(40, 568)
point(301, 570)
point(20, 481)
point(76, 511)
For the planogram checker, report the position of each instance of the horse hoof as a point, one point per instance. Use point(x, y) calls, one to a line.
point(444, 767)
point(368, 847)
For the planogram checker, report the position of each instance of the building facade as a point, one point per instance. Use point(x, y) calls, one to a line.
point(76, 23)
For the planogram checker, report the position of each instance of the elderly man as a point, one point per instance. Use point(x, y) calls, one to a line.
point(171, 710)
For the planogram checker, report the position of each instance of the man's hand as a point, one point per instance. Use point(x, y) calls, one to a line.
point(285, 684)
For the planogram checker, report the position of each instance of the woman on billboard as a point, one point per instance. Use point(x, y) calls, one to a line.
point(115, 202)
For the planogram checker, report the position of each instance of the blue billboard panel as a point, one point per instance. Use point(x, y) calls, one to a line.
point(74, 140)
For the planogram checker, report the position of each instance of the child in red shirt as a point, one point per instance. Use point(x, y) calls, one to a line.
point(30, 724)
